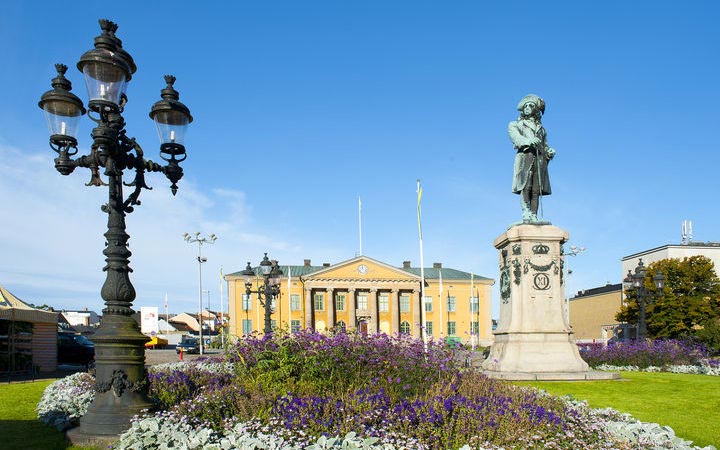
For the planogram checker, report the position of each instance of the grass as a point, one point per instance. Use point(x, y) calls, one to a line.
point(19, 427)
point(690, 404)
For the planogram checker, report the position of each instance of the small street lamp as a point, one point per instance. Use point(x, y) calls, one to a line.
point(120, 376)
point(636, 281)
point(270, 289)
point(191, 239)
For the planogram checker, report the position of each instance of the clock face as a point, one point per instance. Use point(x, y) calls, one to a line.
point(362, 268)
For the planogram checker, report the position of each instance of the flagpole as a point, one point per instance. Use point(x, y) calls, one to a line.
point(360, 222)
point(289, 322)
point(222, 311)
point(473, 333)
point(167, 319)
point(422, 268)
point(441, 302)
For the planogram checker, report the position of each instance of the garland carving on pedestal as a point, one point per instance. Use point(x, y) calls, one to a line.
point(119, 382)
point(543, 268)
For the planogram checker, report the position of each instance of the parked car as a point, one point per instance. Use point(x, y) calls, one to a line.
point(188, 345)
point(75, 349)
point(156, 342)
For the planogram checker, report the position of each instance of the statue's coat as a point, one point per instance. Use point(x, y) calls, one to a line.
point(521, 132)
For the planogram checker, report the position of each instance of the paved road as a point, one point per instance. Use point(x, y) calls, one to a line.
point(154, 357)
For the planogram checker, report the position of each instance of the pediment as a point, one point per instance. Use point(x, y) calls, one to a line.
point(362, 268)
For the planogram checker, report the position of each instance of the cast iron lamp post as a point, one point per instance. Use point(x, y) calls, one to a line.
point(121, 386)
point(200, 259)
point(271, 287)
point(637, 281)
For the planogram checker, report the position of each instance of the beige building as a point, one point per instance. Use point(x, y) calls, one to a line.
point(710, 250)
point(369, 296)
point(187, 321)
point(28, 336)
point(592, 314)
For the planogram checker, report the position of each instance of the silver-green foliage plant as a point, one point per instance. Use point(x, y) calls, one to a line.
point(702, 369)
point(168, 432)
point(633, 432)
point(202, 365)
point(66, 400)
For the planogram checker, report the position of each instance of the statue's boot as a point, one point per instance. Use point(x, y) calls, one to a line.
point(527, 214)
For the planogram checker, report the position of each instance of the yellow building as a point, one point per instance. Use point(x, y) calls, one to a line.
point(369, 296)
point(592, 314)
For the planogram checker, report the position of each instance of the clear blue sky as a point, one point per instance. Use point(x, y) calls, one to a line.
point(301, 107)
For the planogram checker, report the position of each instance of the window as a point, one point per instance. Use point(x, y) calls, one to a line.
point(451, 304)
point(247, 326)
point(428, 328)
point(294, 326)
point(475, 327)
point(362, 302)
point(404, 303)
point(246, 302)
point(340, 302)
point(404, 327)
point(295, 302)
point(384, 303)
point(428, 303)
point(451, 329)
point(340, 326)
point(319, 302)
point(474, 304)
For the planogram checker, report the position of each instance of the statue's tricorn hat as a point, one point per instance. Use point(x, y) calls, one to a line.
point(532, 98)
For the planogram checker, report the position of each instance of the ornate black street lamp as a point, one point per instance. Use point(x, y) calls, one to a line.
point(121, 387)
point(270, 289)
point(636, 281)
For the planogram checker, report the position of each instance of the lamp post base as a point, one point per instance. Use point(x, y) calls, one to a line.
point(77, 437)
point(120, 382)
point(108, 417)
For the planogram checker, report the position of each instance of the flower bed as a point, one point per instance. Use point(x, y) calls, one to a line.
point(651, 356)
point(350, 391)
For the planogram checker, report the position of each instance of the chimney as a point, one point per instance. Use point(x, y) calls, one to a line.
point(326, 264)
point(437, 265)
point(406, 264)
point(307, 263)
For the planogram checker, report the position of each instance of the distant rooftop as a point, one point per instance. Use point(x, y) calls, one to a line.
point(699, 244)
point(598, 290)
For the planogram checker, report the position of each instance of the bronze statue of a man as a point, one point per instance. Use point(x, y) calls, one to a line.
point(528, 136)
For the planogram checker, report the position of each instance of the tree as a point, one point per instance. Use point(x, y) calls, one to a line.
point(44, 307)
point(690, 300)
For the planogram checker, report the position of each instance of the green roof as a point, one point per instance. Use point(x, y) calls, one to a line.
point(295, 271)
point(447, 274)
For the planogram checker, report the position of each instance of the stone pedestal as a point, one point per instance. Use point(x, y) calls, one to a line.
point(533, 339)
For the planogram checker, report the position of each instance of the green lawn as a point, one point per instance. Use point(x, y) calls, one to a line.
point(19, 427)
point(690, 404)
